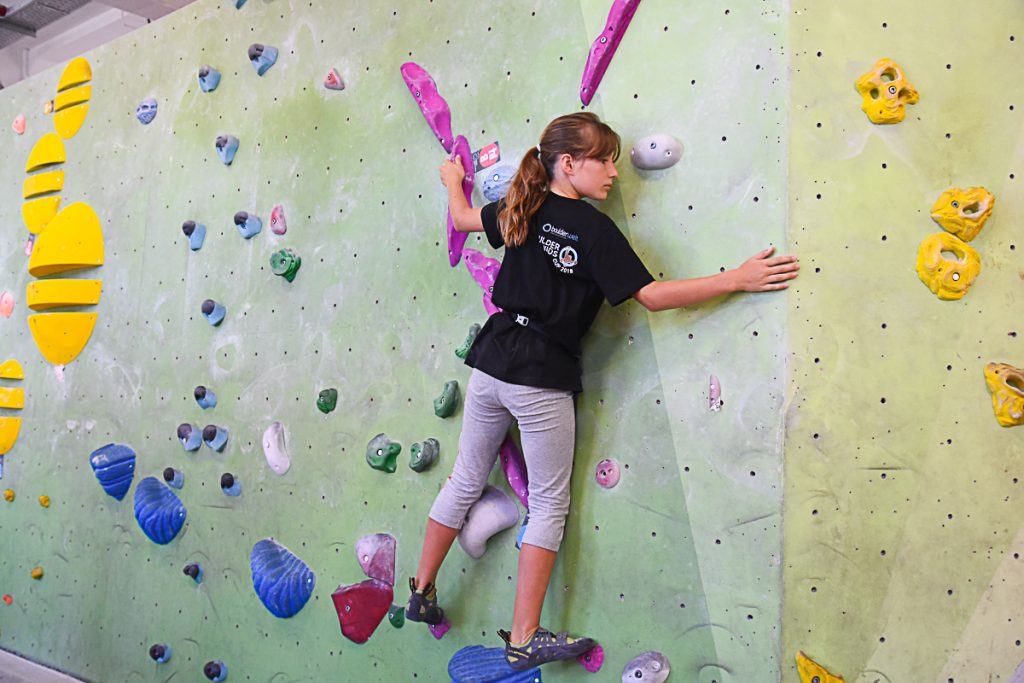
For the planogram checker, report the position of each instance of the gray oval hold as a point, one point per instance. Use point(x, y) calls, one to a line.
point(649, 667)
point(656, 152)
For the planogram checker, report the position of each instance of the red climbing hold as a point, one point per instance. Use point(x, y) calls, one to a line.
point(361, 607)
point(333, 81)
point(8, 599)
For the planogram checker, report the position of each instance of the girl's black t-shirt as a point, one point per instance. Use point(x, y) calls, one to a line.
point(550, 290)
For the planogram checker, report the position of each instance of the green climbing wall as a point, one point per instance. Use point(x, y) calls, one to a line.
point(903, 494)
point(682, 557)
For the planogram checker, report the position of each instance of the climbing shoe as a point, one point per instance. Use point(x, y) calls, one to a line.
point(543, 647)
point(423, 605)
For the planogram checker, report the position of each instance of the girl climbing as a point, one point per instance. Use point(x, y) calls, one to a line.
point(563, 257)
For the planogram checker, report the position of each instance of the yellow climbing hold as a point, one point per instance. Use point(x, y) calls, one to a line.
point(49, 150)
point(9, 495)
point(963, 212)
point(886, 91)
point(812, 672)
point(11, 369)
point(61, 336)
point(1007, 386)
point(37, 213)
point(72, 241)
point(12, 397)
point(9, 428)
point(43, 295)
point(44, 501)
point(41, 183)
point(75, 73)
point(948, 278)
point(71, 97)
point(69, 121)
point(37, 573)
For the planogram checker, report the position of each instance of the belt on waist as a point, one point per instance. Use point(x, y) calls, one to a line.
point(524, 321)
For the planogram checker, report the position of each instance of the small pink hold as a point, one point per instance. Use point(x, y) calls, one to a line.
point(607, 473)
point(485, 271)
point(592, 659)
point(18, 126)
point(278, 225)
point(333, 80)
point(376, 555)
point(6, 303)
point(29, 244)
point(714, 394)
point(438, 630)
point(514, 465)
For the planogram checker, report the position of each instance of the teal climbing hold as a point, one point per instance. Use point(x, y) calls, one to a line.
point(382, 453)
point(445, 404)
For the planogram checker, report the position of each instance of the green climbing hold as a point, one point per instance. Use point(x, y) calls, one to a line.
point(327, 400)
point(396, 615)
point(463, 350)
point(423, 455)
point(382, 453)
point(444, 405)
point(285, 263)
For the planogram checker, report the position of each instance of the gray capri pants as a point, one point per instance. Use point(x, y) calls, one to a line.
point(547, 425)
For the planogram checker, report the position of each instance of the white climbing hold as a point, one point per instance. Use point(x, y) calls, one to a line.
point(656, 152)
point(275, 448)
point(714, 395)
point(495, 511)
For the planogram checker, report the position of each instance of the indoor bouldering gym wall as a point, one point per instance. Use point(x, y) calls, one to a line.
point(212, 223)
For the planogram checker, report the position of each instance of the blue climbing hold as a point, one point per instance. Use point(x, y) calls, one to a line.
point(205, 397)
point(226, 146)
point(479, 664)
point(114, 465)
point(146, 111)
point(215, 670)
point(160, 652)
point(239, 3)
point(262, 57)
point(213, 312)
point(195, 232)
point(247, 224)
point(283, 582)
point(174, 478)
point(209, 78)
point(194, 571)
point(497, 181)
point(230, 484)
point(158, 511)
point(215, 437)
point(191, 437)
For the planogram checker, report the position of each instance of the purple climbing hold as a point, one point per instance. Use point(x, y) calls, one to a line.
point(514, 465)
point(435, 109)
point(456, 239)
point(607, 473)
point(592, 659)
point(376, 555)
point(484, 270)
point(603, 48)
point(438, 630)
point(361, 607)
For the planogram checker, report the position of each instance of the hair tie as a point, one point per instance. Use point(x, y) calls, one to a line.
point(538, 149)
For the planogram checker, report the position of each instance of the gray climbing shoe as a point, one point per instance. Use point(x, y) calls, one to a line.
point(543, 647)
point(423, 605)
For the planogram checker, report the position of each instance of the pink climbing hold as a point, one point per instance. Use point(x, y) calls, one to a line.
point(456, 239)
point(376, 555)
point(435, 109)
point(603, 48)
point(332, 81)
point(278, 225)
point(6, 303)
point(484, 270)
point(18, 125)
point(29, 244)
point(361, 607)
point(592, 659)
point(514, 465)
point(438, 630)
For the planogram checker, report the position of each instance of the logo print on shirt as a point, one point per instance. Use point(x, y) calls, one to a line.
point(568, 257)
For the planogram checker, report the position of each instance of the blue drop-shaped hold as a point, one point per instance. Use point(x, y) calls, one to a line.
point(282, 581)
point(497, 180)
point(158, 511)
point(114, 465)
point(479, 664)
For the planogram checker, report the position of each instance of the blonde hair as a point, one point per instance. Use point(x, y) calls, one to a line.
point(582, 136)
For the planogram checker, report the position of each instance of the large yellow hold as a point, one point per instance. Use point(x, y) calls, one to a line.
point(812, 672)
point(886, 91)
point(948, 278)
point(963, 212)
point(1007, 386)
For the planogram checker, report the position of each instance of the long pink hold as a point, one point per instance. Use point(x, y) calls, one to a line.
point(456, 239)
point(484, 270)
point(514, 465)
point(435, 109)
point(603, 48)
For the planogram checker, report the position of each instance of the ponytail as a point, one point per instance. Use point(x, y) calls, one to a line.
point(581, 135)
